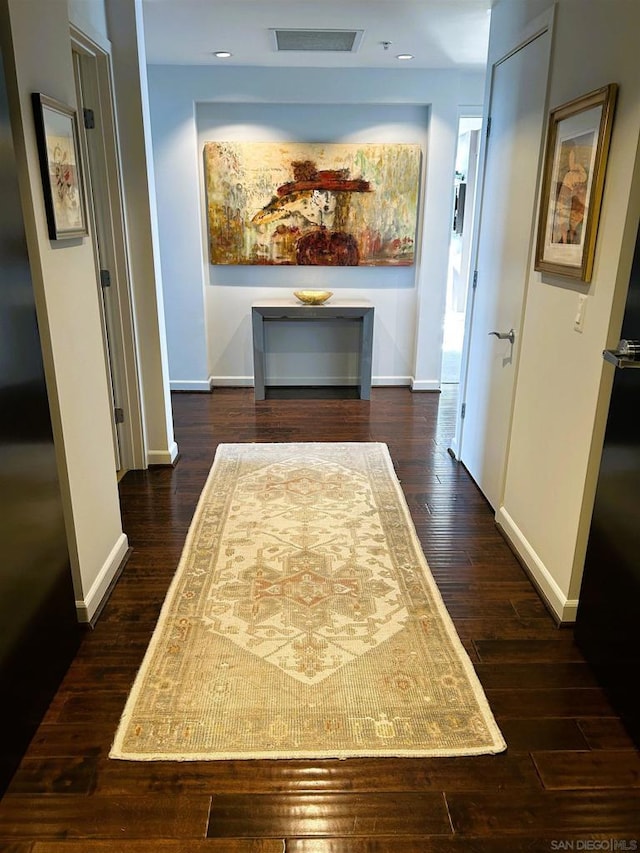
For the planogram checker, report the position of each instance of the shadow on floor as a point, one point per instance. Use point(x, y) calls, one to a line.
point(312, 392)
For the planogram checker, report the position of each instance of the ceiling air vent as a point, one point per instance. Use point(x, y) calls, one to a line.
point(343, 41)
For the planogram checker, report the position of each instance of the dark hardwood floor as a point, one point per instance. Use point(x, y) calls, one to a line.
point(569, 780)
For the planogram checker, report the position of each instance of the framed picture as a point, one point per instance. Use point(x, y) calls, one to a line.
point(310, 203)
point(57, 136)
point(573, 180)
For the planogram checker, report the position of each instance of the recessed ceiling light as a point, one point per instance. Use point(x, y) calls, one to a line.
point(404, 56)
point(222, 54)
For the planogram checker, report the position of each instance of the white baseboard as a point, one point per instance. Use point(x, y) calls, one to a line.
point(231, 381)
point(163, 457)
point(391, 381)
point(425, 385)
point(93, 600)
point(564, 608)
point(247, 381)
point(190, 385)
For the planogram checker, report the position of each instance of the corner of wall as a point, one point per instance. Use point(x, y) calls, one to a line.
point(163, 457)
point(88, 607)
point(563, 608)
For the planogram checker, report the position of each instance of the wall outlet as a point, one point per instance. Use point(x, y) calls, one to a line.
point(578, 322)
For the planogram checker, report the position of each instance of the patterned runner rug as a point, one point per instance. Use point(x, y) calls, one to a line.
point(303, 622)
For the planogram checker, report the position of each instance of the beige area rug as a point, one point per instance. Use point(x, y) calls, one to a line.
point(303, 622)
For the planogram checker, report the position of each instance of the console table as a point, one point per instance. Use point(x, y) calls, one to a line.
point(291, 309)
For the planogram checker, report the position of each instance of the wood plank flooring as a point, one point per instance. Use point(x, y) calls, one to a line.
point(569, 780)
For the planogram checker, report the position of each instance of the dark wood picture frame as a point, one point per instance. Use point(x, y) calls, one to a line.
point(56, 127)
point(577, 150)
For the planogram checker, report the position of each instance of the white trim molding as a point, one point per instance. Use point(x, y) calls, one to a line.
point(90, 605)
point(563, 608)
point(163, 457)
point(248, 382)
point(425, 385)
point(190, 385)
point(231, 381)
point(391, 381)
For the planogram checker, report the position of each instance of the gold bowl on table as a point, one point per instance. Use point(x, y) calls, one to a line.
point(313, 297)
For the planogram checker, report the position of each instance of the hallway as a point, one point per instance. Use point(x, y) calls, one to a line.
point(570, 772)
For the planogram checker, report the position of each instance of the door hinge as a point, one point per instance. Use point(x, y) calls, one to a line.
point(118, 416)
point(89, 118)
point(105, 278)
point(475, 279)
point(488, 126)
point(463, 410)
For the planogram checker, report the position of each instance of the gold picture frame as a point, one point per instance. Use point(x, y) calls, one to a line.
point(56, 127)
point(576, 154)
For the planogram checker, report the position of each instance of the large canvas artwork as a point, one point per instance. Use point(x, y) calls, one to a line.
point(310, 203)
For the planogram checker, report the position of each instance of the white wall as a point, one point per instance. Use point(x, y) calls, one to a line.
point(509, 19)
point(563, 386)
point(65, 287)
point(90, 17)
point(232, 288)
point(207, 310)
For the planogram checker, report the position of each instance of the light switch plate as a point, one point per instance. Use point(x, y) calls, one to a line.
point(578, 323)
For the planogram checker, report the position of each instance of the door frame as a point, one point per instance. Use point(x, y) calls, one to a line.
point(471, 112)
point(105, 185)
point(536, 28)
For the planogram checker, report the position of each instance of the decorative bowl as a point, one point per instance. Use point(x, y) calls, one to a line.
point(313, 297)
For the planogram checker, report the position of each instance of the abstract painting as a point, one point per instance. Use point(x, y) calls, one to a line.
point(320, 204)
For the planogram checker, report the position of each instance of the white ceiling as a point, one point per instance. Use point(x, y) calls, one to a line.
point(439, 33)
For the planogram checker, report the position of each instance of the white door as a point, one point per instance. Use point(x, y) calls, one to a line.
point(512, 164)
point(100, 158)
point(93, 169)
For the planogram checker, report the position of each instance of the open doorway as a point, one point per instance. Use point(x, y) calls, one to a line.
point(460, 246)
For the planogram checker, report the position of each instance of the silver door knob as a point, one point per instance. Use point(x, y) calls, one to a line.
point(505, 336)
